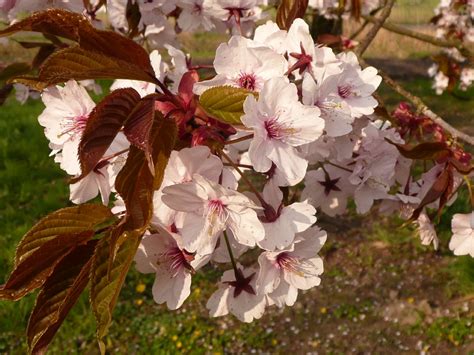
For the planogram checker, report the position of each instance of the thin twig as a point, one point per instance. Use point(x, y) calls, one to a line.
point(245, 179)
point(422, 108)
point(238, 140)
point(231, 254)
point(440, 42)
point(378, 22)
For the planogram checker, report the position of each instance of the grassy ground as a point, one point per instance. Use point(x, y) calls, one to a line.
point(381, 292)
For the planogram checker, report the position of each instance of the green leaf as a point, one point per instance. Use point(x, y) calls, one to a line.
point(107, 279)
point(288, 11)
point(68, 220)
point(58, 295)
point(225, 103)
point(33, 271)
point(103, 125)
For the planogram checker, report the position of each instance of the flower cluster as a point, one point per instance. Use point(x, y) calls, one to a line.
point(245, 194)
point(454, 21)
point(335, 8)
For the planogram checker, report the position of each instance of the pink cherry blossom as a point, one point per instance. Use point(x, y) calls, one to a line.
point(328, 189)
point(462, 241)
point(237, 295)
point(181, 167)
point(211, 209)
point(284, 222)
point(296, 267)
point(280, 123)
point(160, 254)
point(239, 63)
point(64, 119)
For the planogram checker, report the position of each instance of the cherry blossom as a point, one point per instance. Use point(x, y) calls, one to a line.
point(236, 295)
point(462, 241)
point(304, 56)
point(328, 189)
point(280, 123)
point(64, 119)
point(211, 209)
point(427, 231)
point(297, 267)
point(284, 222)
point(160, 254)
point(182, 166)
point(198, 13)
point(239, 63)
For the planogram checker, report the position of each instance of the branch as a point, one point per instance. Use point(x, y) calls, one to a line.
point(378, 23)
point(422, 108)
point(440, 42)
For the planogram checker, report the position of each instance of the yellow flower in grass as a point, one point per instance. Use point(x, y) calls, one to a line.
point(141, 287)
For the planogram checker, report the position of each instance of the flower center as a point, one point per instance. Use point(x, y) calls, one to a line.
point(344, 91)
point(197, 9)
point(216, 215)
point(295, 265)
point(74, 126)
point(273, 128)
point(247, 81)
point(178, 259)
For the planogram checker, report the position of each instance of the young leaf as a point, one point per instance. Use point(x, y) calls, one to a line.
point(81, 64)
point(70, 220)
point(55, 22)
point(136, 183)
point(33, 271)
point(138, 126)
point(288, 11)
point(58, 295)
point(103, 125)
point(464, 169)
point(106, 283)
point(441, 187)
point(225, 103)
point(423, 151)
point(104, 47)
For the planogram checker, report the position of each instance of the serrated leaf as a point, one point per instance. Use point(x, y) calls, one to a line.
point(68, 220)
point(103, 125)
point(81, 64)
point(33, 271)
point(423, 151)
point(288, 11)
point(105, 47)
point(58, 295)
point(225, 103)
point(55, 22)
point(138, 126)
point(136, 183)
point(107, 279)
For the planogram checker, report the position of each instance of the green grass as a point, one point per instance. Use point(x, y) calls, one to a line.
point(32, 185)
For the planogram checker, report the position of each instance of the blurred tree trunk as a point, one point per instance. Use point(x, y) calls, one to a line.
point(321, 25)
